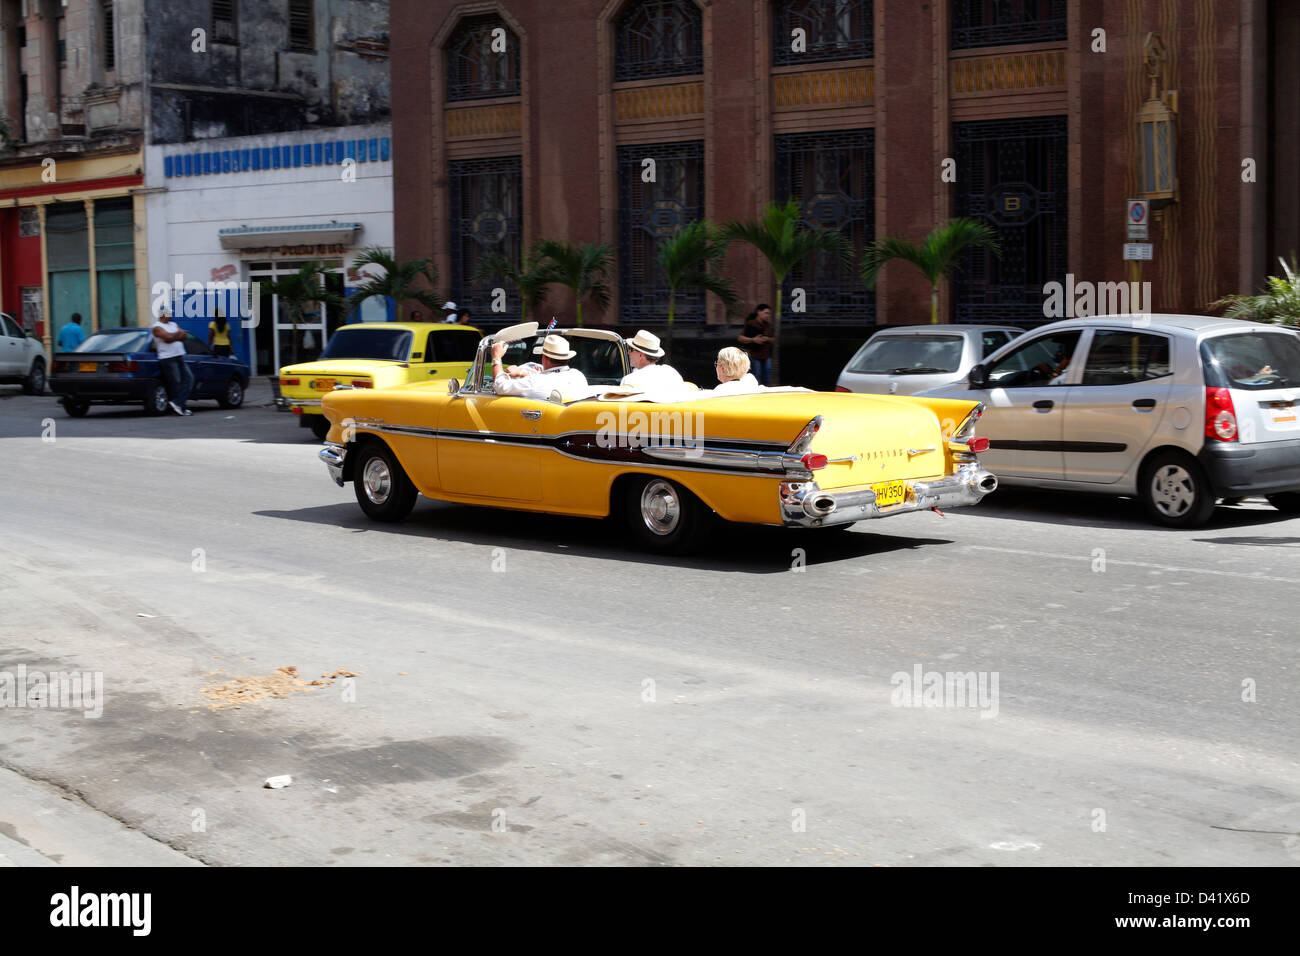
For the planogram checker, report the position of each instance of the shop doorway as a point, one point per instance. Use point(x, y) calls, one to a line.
point(278, 341)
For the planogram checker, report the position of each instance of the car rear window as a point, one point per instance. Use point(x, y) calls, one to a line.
point(1252, 360)
point(908, 354)
point(131, 340)
point(390, 345)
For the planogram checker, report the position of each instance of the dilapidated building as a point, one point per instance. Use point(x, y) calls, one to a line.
point(137, 136)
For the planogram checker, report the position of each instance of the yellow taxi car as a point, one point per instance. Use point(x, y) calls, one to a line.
point(377, 355)
point(782, 456)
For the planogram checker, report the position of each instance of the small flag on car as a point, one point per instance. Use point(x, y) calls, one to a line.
point(552, 325)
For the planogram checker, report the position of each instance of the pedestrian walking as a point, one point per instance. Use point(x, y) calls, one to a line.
point(169, 342)
point(756, 338)
point(71, 335)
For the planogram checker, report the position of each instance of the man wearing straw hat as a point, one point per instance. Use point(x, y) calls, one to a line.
point(554, 376)
point(643, 352)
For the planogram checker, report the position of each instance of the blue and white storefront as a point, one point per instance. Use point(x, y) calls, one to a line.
point(227, 217)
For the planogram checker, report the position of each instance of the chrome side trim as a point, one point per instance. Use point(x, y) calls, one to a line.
point(304, 402)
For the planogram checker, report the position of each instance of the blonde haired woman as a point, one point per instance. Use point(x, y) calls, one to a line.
point(734, 377)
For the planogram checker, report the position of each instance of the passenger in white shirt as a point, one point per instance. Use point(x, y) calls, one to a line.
point(556, 375)
point(734, 377)
point(643, 352)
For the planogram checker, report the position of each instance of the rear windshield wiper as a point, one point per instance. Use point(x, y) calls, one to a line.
point(918, 371)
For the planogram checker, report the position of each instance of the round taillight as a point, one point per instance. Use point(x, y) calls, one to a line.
point(978, 445)
point(812, 461)
point(1225, 425)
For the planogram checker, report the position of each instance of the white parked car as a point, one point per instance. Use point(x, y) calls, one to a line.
point(1179, 410)
point(22, 358)
point(913, 358)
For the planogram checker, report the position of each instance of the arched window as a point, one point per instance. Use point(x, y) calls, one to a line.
point(829, 30)
point(659, 38)
point(482, 60)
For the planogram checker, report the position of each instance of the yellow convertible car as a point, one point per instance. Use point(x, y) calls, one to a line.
point(377, 355)
point(668, 463)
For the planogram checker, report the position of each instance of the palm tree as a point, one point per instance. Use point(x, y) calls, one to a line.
point(399, 281)
point(1278, 302)
point(688, 259)
point(300, 289)
point(530, 277)
point(785, 242)
point(936, 254)
point(582, 268)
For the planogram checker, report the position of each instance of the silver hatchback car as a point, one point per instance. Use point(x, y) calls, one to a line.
point(911, 358)
point(1179, 410)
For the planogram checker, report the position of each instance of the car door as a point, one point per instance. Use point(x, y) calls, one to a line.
point(1024, 396)
point(449, 354)
point(12, 350)
point(493, 446)
point(1114, 410)
point(200, 362)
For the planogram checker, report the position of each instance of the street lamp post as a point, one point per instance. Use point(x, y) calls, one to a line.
point(1157, 172)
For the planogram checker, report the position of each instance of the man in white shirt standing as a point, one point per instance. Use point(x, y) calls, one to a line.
point(449, 312)
point(169, 343)
point(556, 375)
point(643, 352)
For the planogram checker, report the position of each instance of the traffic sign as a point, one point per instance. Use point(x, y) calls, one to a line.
point(1140, 251)
point(1138, 215)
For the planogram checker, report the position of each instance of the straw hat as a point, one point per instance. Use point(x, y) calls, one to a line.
point(643, 341)
point(556, 348)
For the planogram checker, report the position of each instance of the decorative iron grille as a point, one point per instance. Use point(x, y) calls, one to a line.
point(977, 23)
point(659, 38)
point(1013, 177)
point(649, 213)
point(833, 30)
point(486, 203)
point(477, 65)
point(832, 175)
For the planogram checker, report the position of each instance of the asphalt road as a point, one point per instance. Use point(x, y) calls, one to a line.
point(529, 689)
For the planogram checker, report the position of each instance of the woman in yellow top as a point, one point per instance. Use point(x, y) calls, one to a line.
point(219, 336)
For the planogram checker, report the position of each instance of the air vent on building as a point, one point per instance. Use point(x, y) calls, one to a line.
point(300, 26)
point(223, 21)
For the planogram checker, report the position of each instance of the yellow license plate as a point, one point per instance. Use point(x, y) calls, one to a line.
point(324, 384)
point(1279, 419)
point(88, 367)
point(890, 493)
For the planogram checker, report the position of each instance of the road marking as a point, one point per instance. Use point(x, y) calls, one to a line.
point(1136, 564)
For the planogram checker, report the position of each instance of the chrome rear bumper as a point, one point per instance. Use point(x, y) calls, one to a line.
point(805, 505)
point(333, 455)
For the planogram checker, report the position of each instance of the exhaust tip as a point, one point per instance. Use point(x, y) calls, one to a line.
point(988, 484)
point(819, 506)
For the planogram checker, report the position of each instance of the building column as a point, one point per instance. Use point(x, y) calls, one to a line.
point(45, 289)
point(143, 301)
point(94, 279)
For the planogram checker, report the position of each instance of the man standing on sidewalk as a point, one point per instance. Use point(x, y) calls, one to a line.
point(169, 342)
point(71, 335)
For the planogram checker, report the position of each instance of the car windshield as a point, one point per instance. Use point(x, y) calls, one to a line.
point(600, 360)
point(118, 340)
point(1252, 360)
point(386, 345)
point(909, 354)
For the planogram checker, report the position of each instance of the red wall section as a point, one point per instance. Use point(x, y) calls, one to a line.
point(20, 264)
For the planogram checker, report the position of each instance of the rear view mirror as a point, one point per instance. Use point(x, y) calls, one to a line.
point(976, 378)
point(453, 386)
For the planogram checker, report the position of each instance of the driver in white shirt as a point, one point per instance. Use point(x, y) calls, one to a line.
point(643, 352)
point(556, 375)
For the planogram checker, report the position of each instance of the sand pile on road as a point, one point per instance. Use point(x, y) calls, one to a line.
point(277, 686)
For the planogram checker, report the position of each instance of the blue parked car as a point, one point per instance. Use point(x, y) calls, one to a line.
point(120, 367)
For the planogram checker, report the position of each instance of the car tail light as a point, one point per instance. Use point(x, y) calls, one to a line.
point(122, 366)
point(841, 388)
point(288, 381)
point(362, 383)
point(977, 445)
point(813, 461)
point(1220, 416)
point(61, 367)
point(297, 409)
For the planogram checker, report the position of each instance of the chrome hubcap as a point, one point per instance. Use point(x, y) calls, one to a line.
point(234, 392)
point(377, 480)
point(660, 509)
point(160, 398)
point(1173, 491)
